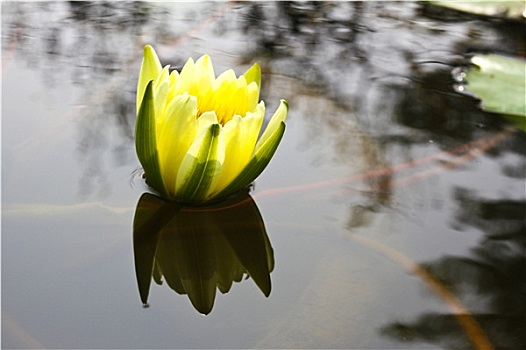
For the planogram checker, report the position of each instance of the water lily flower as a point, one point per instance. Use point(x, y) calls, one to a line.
point(196, 135)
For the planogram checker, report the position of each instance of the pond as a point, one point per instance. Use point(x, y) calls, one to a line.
point(391, 216)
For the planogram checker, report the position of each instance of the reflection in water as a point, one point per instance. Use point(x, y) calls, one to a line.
point(490, 281)
point(199, 249)
point(343, 52)
point(95, 46)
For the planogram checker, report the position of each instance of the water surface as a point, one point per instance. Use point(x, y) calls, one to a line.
point(394, 208)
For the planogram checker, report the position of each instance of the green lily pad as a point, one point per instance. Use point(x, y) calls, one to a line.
point(495, 8)
point(499, 82)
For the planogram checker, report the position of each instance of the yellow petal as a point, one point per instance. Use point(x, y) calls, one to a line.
point(177, 134)
point(162, 77)
point(174, 78)
point(186, 82)
point(230, 97)
point(253, 96)
point(239, 98)
point(204, 75)
point(159, 97)
point(205, 120)
point(226, 76)
point(259, 160)
point(232, 164)
point(251, 126)
point(240, 139)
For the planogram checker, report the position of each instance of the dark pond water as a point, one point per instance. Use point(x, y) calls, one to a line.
point(392, 215)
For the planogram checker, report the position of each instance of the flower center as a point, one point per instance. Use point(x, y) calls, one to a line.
point(224, 106)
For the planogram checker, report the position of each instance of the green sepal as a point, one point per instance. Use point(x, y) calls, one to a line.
point(279, 117)
point(150, 69)
point(151, 215)
point(146, 141)
point(253, 74)
point(200, 167)
point(257, 163)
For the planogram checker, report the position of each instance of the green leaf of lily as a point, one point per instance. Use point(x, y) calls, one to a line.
point(499, 82)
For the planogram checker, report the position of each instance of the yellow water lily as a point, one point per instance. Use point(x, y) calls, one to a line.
point(196, 135)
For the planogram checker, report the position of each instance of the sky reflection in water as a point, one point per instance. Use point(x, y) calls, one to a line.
point(377, 146)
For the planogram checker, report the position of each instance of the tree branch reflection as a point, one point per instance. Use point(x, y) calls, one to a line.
point(199, 249)
point(490, 281)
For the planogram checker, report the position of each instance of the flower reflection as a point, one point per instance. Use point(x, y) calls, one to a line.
point(199, 249)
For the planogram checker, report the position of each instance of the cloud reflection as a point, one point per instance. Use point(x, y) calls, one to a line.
point(199, 249)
